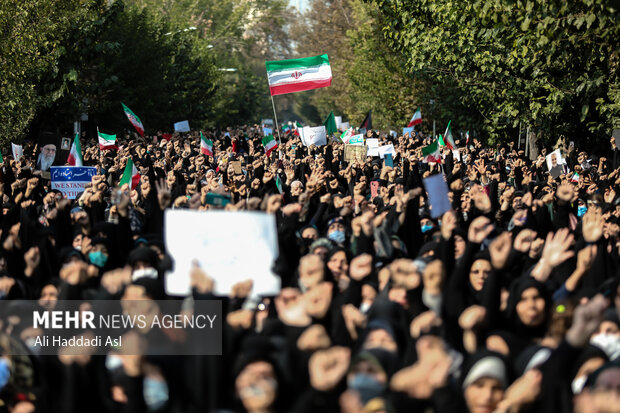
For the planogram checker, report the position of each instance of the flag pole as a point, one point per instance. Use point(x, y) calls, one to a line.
point(277, 127)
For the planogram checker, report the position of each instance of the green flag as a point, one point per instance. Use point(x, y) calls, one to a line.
point(330, 124)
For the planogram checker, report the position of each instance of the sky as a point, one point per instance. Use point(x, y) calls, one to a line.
point(300, 4)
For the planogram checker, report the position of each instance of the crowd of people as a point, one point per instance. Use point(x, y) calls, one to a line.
point(508, 302)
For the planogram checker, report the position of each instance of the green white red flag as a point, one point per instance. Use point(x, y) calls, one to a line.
point(135, 121)
point(106, 141)
point(431, 152)
point(75, 155)
point(416, 119)
point(297, 75)
point(269, 143)
point(131, 176)
point(346, 134)
point(206, 145)
point(448, 139)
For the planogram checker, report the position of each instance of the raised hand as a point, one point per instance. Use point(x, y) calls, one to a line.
point(479, 229)
point(500, 249)
point(592, 225)
point(328, 367)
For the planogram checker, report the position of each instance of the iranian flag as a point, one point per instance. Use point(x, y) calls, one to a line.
point(416, 119)
point(346, 135)
point(75, 156)
point(298, 126)
point(448, 139)
point(206, 145)
point(131, 176)
point(135, 121)
point(269, 143)
point(431, 152)
point(106, 141)
point(297, 75)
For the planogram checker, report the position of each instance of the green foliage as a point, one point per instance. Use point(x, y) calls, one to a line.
point(552, 65)
point(63, 58)
point(32, 45)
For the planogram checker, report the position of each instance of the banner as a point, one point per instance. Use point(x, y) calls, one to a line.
point(71, 180)
point(182, 126)
point(356, 140)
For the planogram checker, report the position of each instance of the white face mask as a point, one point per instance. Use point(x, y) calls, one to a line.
point(113, 362)
point(578, 383)
point(364, 307)
point(144, 272)
point(609, 343)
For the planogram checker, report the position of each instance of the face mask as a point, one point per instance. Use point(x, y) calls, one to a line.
point(155, 393)
point(367, 386)
point(5, 372)
point(144, 272)
point(609, 343)
point(254, 391)
point(425, 228)
point(581, 210)
point(578, 383)
point(337, 236)
point(98, 258)
point(113, 362)
point(79, 248)
point(364, 307)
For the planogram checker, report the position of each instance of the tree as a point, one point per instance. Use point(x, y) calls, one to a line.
point(33, 42)
point(551, 65)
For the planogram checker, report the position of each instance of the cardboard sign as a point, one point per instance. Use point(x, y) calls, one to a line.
point(267, 131)
point(229, 246)
point(388, 161)
point(344, 125)
point(437, 190)
point(237, 167)
point(355, 153)
point(338, 120)
point(182, 126)
point(71, 180)
point(408, 130)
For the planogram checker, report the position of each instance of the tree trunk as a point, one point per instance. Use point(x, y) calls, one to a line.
point(533, 139)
